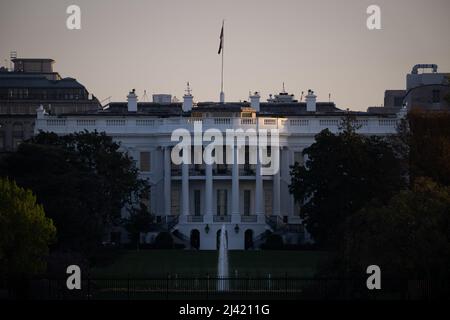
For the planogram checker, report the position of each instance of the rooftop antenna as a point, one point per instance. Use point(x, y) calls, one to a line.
point(301, 97)
point(283, 88)
point(145, 97)
point(329, 97)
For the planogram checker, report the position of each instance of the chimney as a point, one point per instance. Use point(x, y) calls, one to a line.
point(254, 101)
point(132, 101)
point(187, 99)
point(310, 101)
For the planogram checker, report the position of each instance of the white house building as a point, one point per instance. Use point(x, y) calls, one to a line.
point(193, 201)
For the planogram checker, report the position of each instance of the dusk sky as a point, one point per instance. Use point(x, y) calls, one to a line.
point(159, 45)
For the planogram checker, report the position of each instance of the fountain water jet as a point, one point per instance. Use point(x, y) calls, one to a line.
point(222, 263)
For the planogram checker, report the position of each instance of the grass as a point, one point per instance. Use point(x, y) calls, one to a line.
point(157, 263)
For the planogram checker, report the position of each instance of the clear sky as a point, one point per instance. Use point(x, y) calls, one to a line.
point(158, 45)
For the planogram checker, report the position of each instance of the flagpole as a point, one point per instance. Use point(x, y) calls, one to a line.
point(222, 94)
point(221, 82)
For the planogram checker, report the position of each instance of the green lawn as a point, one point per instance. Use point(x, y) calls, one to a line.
point(155, 263)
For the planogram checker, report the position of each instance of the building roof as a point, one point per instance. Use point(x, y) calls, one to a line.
point(297, 109)
point(266, 109)
point(383, 110)
point(18, 81)
point(221, 107)
point(144, 108)
point(33, 59)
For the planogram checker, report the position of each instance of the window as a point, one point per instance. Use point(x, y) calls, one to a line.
point(18, 131)
point(298, 158)
point(175, 201)
point(268, 200)
point(222, 202)
point(436, 96)
point(247, 202)
point(266, 159)
point(222, 155)
point(145, 161)
point(2, 142)
point(197, 207)
point(146, 199)
point(247, 155)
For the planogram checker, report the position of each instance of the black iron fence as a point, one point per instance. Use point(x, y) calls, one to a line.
point(213, 288)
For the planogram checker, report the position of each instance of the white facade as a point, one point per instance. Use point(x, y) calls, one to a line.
point(198, 199)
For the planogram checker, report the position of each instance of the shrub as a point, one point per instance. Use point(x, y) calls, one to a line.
point(163, 240)
point(273, 242)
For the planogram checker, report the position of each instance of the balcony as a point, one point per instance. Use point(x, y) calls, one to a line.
point(197, 170)
point(175, 170)
point(222, 170)
point(252, 218)
point(192, 218)
point(221, 218)
point(247, 170)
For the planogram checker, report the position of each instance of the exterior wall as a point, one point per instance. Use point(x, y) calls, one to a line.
point(146, 134)
point(394, 98)
point(430, 97)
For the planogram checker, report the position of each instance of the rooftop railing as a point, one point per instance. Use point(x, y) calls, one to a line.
point(142, 125)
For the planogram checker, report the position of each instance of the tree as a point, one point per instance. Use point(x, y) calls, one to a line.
point(428, 140)
point(138, 221)
point(408, 238)
point(83, 181)
point(25, 232)
point(342, 173)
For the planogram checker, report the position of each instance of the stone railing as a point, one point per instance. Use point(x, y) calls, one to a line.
point(252, 218)
point(222, 218)
point(144, 125)
point(192, 218)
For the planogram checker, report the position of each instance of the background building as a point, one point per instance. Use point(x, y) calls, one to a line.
point(426, 90)
point(32, 82)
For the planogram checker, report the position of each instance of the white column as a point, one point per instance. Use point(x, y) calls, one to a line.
point(208, 193)
point(259, 195)
point(185, 189)
point(235, 183)
point(167, 182)
point(276, 183)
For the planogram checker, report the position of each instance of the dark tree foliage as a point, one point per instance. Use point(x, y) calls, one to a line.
point(273, 242)
point(428, 138)
point(81, 179)
point(25, 232)
point(409, 237)
point(343, 172)
point(139, 221)
point(164, 240)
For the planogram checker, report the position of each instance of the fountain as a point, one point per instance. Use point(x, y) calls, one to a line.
point(222, 263)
